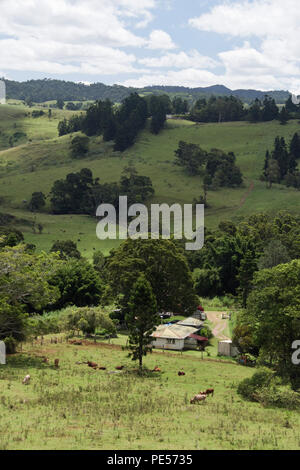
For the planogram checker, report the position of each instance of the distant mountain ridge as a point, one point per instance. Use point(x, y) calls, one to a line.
point(50, 89)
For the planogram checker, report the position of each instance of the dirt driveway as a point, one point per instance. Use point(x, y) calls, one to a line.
point(219, 325)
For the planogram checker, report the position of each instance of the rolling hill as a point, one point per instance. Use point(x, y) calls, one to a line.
point(48, 89)
point(41, 157)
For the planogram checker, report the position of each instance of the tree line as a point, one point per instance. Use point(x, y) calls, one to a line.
point(50, 89)
point(218, 168)
point(230, 108)
point(81, 193)
point(120, 124)
point(281, 164)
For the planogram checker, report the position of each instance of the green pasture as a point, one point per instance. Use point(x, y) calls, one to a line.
point(76, 407)
point(44, 157)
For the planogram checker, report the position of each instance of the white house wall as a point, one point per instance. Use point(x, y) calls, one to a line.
point(162, 343)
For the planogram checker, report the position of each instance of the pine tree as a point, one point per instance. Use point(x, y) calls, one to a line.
point(141, 319)
point(273, 173)
point(283, 116)
point(266, 165)
point(290, 106)
point(255, 113)
point(281, 155)
point(158, 119)
point(246, 271)
point(110, 130)
point(270, 109)
point(295, 146)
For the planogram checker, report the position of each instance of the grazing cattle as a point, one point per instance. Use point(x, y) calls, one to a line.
point(181, 373)
point(102, 368)
point(45, 360)
point(56, 362)
point(92, 364)
point(198, 398)
point(156, 369)
point(120, 367)
point(209, 391)
point(26, 380)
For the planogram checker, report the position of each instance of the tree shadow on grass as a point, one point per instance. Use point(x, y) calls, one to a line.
point(144, 373)
point(22, 361)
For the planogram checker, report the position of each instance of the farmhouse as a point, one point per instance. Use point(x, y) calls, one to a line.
point(178, 336)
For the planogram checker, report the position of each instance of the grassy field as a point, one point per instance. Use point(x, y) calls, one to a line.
point(40, 158)
point(75, 407)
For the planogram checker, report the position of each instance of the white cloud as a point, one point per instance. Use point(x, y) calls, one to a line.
point(180, 60)
point(187, 77)
point(276, 24)
point(65, 36)
point(160, 40)
point(260, 18)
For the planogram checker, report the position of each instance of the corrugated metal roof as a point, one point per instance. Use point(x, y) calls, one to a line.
point(191, 321)
point(199, 338)
point(173, 331)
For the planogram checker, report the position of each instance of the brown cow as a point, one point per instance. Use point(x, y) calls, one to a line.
point(120, 367)
point(92, 364)
point(210, 391)
point(56, 362)
point(181, 373)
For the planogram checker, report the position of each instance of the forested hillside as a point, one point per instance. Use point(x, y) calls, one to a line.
point(48, 89)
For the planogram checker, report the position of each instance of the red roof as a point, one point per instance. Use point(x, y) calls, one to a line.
point(199, 338)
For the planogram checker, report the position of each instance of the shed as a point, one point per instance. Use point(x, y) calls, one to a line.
point(226, 348)
point(195, 341)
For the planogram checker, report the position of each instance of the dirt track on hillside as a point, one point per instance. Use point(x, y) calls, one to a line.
point(219, 325)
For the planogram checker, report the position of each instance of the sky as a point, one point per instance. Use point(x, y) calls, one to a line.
point(194, 43)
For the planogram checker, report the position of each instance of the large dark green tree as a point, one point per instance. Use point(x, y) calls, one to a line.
point(79, 146)
point(66, 249)
point(78, 283)
point(164, 266)
point(273, 314)
point(141, 319)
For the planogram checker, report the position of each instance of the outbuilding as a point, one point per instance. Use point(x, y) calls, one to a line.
point(226, 348)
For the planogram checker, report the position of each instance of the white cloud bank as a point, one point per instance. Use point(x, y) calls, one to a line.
point(276, 23)
point(104, 37)
point(72, 36)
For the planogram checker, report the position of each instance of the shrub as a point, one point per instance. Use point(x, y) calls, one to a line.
point(10, 344)
point(278, 397)
point(265, 388)
point(206, 331)
point(88, 319)
point(44, 324)
point(249, 387)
